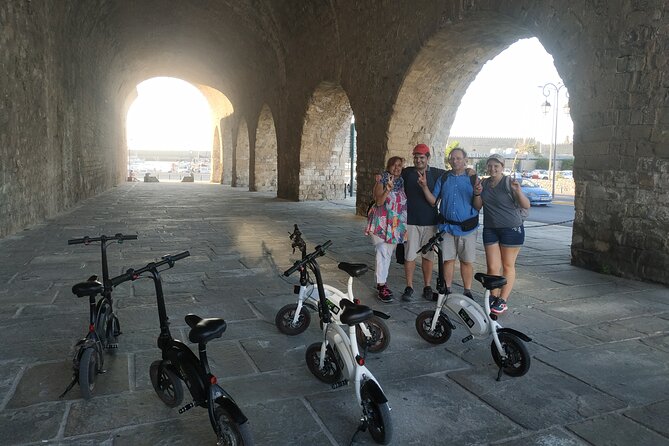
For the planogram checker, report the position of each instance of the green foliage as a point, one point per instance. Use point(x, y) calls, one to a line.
point(480, 167)
point(447, 151)
point(567, 164)
point(542, 163)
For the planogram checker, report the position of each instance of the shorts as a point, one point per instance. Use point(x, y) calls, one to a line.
point(417, 236)
point(461, 246)
point(508, 237)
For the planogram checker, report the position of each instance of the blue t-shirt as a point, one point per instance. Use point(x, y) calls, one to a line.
point(456, 193)
point(419, 211)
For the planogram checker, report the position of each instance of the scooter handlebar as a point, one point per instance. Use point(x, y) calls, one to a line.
point(438, 237)
point(103, 238)
point(318, 251)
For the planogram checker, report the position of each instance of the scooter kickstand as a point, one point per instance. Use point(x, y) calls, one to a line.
point(499, 372)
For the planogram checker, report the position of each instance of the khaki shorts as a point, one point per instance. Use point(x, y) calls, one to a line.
point(417, 236)
point(463, 247)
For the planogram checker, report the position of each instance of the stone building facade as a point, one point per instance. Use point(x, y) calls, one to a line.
point(70, 68)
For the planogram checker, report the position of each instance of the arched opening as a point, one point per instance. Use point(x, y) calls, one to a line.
point(522, 114)
point(325, 154)
point(265, 152)
point(438, 78)
point(172, 128)
point(241, 167)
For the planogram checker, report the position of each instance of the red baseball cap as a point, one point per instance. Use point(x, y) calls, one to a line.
point(421, 149)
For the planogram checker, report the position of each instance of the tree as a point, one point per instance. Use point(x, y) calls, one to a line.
point(448, 149)
point(542, 163)
point(567, 164)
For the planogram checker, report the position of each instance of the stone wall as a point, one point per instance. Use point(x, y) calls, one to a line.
point(400, 67)
point(265, 150)
point(61, 130)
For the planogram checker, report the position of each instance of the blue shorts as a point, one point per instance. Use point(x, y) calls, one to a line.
point(509, 237)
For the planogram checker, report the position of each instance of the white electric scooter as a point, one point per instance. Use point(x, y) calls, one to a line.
point(507, 347)
point(292, 319)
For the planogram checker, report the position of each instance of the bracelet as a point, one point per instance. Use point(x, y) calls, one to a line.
point(477, 195)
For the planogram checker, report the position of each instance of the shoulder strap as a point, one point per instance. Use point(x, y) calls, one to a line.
point(508, 190)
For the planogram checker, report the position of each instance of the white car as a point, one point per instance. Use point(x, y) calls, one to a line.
point(566, 174)
point(539, 174)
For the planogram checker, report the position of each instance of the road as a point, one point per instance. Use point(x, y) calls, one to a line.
point(562, 210)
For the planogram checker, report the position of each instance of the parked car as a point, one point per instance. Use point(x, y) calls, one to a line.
point(539, 174)
point(566, 174)
point(516, 175)
point(537, 195)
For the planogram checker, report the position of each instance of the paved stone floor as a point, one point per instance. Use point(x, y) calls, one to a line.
point(600, 349)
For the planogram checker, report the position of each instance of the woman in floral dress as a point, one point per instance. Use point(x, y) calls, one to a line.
point(387, 221)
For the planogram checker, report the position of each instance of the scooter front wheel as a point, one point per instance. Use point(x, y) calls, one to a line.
point(379, 335)
point(166, 384)
point(442, 331)
point(331, 372)
point(229, 432)
point(284, 320)
point(377, 417)
point(517, 361)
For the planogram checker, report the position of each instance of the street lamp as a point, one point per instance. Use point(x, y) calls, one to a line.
point(547, 89)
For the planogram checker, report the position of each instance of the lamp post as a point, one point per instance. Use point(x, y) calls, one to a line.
point(547, 89)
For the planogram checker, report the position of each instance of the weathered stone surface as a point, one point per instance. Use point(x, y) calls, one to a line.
point(616, 429)
point(296, 73)
point(438, 393)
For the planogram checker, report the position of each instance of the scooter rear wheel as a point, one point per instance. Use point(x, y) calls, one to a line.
point(442, 331)
point(517, 356)
point(379, 335)
point(229, 432)
point(166, 384)
point(88, 371)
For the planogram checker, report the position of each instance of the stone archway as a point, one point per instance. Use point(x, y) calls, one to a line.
point(241, 155)
point(216, 156)
point(434, 86)
point(324, 152)
point(265, 152)
point(225, 169)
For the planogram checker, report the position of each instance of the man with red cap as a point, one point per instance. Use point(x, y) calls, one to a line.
point(421, 219)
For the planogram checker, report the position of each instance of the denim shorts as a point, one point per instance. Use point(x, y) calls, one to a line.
point(510, 237)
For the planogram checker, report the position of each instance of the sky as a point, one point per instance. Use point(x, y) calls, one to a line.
point(169, 114)
point(504, 100)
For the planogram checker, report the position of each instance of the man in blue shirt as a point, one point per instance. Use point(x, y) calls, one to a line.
point(459, 203)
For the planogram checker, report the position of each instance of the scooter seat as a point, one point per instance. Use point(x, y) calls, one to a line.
point(204, 330)
point(89, 288)
point(490, 282)
point(353, 269)
point(353, 313)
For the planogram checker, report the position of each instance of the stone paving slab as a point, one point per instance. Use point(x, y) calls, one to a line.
point(616, 429)
point(630, 371)
point(543, 398)
point(654, 416)
point(440, 412)
point(599, 353)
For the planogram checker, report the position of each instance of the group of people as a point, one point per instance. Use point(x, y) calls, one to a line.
point(404, 212)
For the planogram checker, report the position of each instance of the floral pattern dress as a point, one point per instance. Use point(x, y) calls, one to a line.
point(389, 221)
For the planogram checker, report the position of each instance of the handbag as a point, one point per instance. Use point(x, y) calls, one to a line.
point(466, 225)
point(399, 253)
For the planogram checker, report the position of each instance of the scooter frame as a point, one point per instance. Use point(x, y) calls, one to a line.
point(368, 391)
point(471, 314)
point(308, 296)
point(179, 363)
